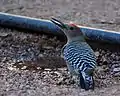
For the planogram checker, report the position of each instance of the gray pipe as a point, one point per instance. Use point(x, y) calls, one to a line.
point(48, 27)
point(24, 22)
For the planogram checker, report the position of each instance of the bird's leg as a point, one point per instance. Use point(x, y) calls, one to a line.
point(71, 73)
point(76, 78)
point(74, 75)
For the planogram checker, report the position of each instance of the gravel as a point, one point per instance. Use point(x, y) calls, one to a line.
point(30, 64)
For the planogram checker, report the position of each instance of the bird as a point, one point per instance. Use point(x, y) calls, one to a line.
point(79, 56)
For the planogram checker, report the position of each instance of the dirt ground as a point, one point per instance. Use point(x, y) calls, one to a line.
point(30, 64)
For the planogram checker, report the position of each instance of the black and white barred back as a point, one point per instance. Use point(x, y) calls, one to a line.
point(79, 56)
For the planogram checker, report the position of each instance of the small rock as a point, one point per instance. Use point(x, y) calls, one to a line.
point(46, 69)
point(44, 37)
point(48, 47)
point(38, 68)
point(12, 68)
point(3, 34)
point(24, 67)
point(78, 14)
point(97, 53)
point(113, 55)
point(116, 69)
point(41, 55)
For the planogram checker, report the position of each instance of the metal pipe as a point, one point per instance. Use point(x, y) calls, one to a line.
point(24, 22)
point(47, 26)
point(101, 35)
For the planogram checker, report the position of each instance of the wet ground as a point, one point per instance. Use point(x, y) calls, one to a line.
point(30, 64)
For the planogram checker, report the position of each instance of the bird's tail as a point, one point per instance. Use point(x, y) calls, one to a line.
point(86, 81)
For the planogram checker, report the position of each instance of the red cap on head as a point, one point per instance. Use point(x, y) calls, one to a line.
point(72, 24)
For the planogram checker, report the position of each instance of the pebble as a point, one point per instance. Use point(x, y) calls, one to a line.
point(59, 76)
point(24, 67)
point(97, 53)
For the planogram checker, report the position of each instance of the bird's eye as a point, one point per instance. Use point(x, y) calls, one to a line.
point(71, 28)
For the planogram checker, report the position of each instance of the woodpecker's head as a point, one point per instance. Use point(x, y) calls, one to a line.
point(71, 30)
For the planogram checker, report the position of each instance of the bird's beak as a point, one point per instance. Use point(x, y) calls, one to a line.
point(58, 23)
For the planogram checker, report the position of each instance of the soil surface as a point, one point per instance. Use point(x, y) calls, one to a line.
point(31, 65)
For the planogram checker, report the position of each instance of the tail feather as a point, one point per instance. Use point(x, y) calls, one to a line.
point(82, 83)
point(86, 81)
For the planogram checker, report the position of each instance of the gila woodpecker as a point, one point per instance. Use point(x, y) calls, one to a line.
point(79, 56)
